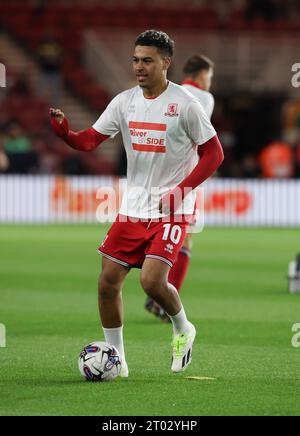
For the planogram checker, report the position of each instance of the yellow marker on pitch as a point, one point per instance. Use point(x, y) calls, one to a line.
point(200, 378)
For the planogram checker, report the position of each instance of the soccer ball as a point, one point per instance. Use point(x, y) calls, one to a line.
point(99, 361)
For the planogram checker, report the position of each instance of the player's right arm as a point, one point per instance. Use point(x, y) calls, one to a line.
point(106, 126)
point(85, 140)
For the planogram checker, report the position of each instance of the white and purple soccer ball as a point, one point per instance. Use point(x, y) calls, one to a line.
point(99, 361)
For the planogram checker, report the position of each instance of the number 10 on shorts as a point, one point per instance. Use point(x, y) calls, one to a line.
point(172, 232)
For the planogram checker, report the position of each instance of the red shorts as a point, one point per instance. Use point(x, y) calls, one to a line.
point(129, 243)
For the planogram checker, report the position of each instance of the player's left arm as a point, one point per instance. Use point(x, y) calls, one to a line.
point(212, 156)
point(210, 153)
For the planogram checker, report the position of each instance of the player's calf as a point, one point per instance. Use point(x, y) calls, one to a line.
point(109, 293)
point(163, 293)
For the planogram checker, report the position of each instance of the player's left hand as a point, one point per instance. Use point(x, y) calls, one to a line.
point(171, 201)
point(160, 207)
point(167, 203)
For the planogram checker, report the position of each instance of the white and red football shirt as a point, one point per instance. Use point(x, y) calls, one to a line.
point(206, 98)
point(160, 136)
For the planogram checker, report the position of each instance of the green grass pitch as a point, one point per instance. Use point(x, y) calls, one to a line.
point(235, 293)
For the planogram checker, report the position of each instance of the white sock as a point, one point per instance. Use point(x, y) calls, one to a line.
point(115, 337)
point(180, 322)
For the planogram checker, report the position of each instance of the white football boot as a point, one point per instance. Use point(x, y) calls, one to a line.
point(182, 349)
point(124, 369)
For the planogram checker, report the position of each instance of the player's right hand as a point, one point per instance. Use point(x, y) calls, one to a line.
point(59, 122)
point(57, 114)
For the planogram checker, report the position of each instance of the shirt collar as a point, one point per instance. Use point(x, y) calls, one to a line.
point(192, 83)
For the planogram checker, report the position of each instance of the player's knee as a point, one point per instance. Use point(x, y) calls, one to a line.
point(108, 286)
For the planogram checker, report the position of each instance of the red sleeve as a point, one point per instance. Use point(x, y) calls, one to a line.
point(85, 140)
point(211, 156)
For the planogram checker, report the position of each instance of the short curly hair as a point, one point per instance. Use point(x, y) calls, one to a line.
point(158, 39)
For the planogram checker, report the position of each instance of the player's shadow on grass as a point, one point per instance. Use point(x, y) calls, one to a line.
point(65, 383)
point(49, 382)
point(150, 321)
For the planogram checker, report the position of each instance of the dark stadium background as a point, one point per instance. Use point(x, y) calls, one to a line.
point(253, 43)
point(76, 55)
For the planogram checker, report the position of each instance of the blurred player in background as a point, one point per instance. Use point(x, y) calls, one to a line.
point(164, 130)
point(198, 73)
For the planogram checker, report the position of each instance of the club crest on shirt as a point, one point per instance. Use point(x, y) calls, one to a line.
point(172, 110)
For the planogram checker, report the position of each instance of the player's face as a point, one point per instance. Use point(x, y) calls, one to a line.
point(149, 66)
